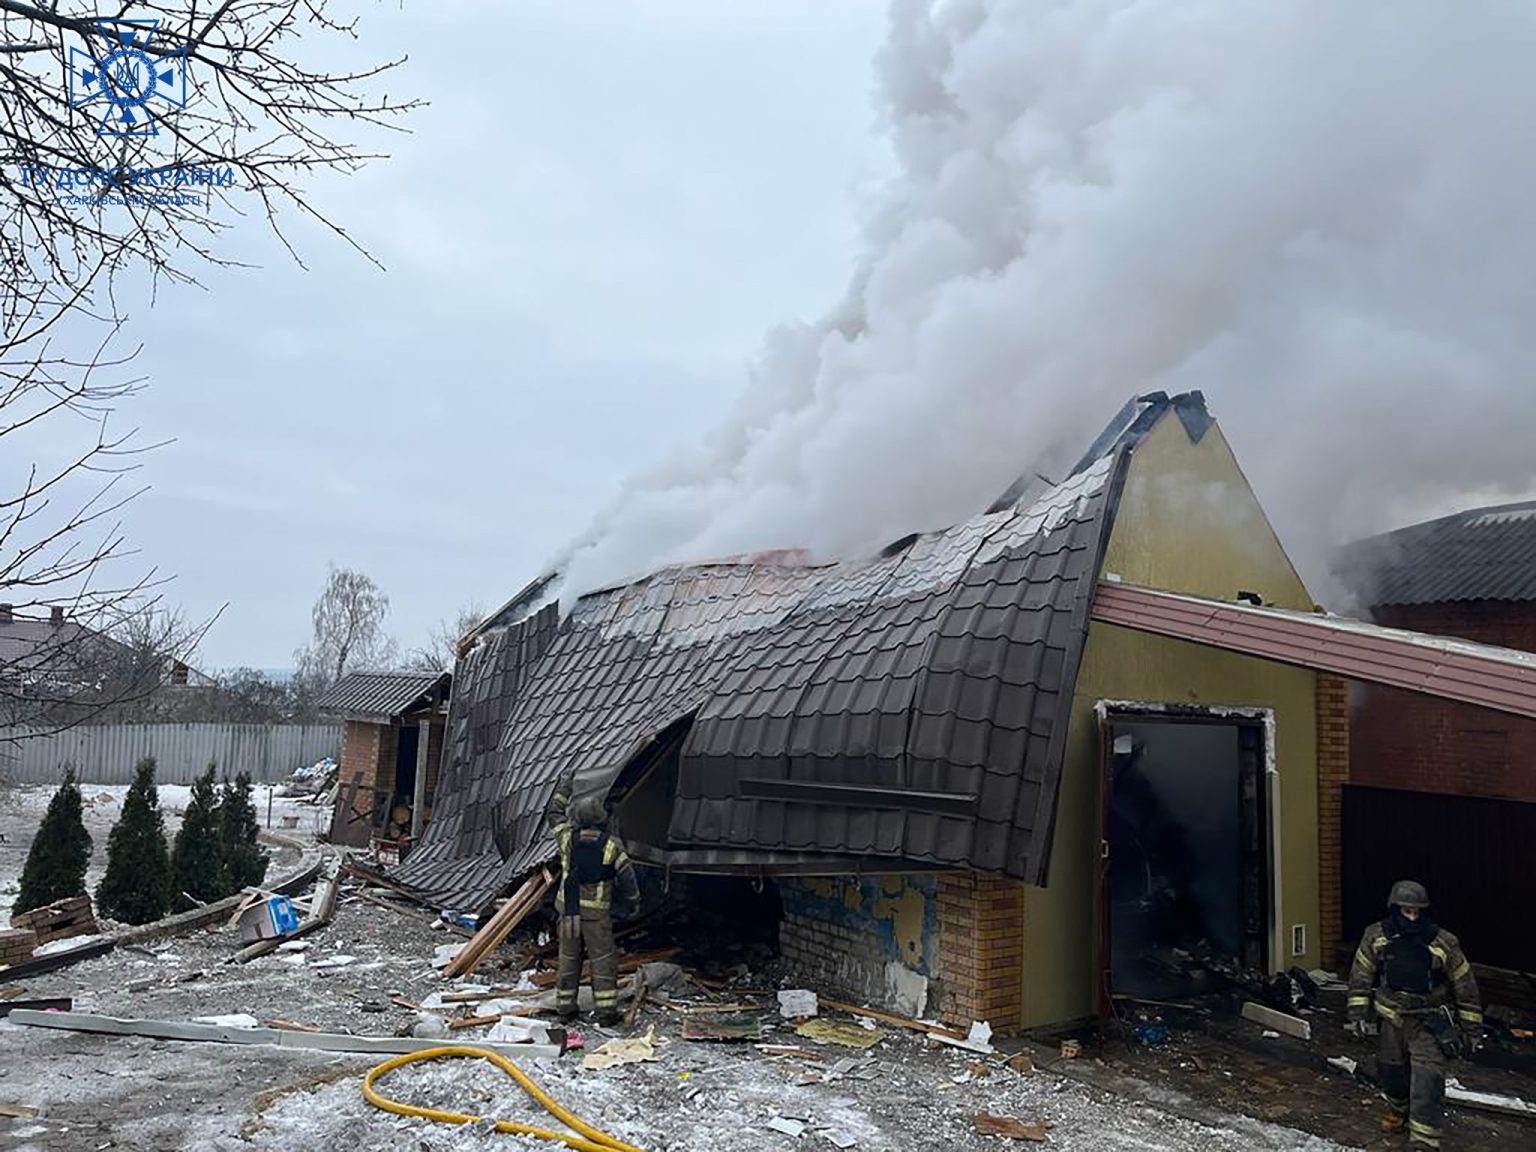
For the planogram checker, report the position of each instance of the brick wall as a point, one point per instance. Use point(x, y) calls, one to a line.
point(981, 950)
point(359, 760)
point(1419, 743)
point(1333, 741)
point(963, 932)
point(853, 937)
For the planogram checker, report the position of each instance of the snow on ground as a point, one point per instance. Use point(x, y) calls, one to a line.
point(126, 1092)
point(22, 808)
point(103, 1091)
point(913, 1106)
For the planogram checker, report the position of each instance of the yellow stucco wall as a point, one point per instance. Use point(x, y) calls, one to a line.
point(1187, 522)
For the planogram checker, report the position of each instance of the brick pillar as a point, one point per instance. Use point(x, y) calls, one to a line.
point(1332, 774)
point(981, 950)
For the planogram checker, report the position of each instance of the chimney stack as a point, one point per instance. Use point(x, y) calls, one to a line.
point(56, 615)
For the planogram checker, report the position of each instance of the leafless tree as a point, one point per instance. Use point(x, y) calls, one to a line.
point(131, 138)
point(349, 631)
point(441, 650)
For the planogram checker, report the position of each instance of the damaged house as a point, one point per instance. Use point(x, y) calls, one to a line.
point(993, 772)
point(1426, 772)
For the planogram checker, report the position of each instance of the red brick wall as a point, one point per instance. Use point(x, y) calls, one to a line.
point(1423, 744)
point(1333, 743)
point(360, 749)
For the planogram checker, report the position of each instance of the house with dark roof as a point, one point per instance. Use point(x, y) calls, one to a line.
point(391, 745)
point(911, 746)
point(53, 656)
point(1424, 773)
point(1067, 749)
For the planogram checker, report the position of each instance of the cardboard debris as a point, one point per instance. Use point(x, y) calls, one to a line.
point(631, 1050)
point(1010, 1126)
point(824, 1031)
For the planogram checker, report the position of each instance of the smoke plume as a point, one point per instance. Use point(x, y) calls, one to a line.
point(1319, 213)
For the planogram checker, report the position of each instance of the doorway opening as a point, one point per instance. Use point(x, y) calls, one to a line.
point(1188, 861)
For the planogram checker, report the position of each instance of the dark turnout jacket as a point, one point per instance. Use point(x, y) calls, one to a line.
point(1410, 972)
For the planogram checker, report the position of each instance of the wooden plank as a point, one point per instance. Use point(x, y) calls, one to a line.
point(220, 1034)
point(1278, 1021)
point(19, 1111)
point(890, 1018)
point(499, 926)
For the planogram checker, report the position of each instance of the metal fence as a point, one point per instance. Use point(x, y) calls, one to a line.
point(107, 753)
point(1473, 854)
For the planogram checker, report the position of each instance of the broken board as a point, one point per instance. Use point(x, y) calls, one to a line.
point(1279, 1021)
point(730, 1028)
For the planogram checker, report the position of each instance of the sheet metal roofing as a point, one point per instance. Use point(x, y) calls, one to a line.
point(1481, 554)
point(1482, 674)
point(379, 695)
point(906, 710)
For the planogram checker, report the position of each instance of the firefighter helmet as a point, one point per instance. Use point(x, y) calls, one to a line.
point(1408, 894)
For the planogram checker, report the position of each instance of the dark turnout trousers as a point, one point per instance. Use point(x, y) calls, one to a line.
point(1411, 1068)
point(595, 931)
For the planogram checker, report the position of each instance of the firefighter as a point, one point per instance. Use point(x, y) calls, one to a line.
point(1426, 998)
point(592, 864)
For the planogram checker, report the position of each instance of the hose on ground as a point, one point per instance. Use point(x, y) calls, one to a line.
point(590, 1139)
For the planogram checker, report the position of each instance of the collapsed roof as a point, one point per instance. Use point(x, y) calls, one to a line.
point(908, 710)
point(1480, 554)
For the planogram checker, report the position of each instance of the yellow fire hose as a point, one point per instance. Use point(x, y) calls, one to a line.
point(591, 1140)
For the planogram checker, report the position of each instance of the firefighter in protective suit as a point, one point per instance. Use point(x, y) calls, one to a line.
point(592, 864)
point(1426, 999)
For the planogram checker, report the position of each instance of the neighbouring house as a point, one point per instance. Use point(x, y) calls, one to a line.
point(54, 657)
point(1440, 789)
point(1067, 748)
point(391, 744)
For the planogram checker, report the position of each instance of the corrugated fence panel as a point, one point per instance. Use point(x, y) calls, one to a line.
point(1474, 855)
point(107, 753)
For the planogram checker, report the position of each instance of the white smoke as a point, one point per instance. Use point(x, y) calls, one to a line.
point(1320, 213)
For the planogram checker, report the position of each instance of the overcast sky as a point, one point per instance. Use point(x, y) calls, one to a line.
point(586, 236)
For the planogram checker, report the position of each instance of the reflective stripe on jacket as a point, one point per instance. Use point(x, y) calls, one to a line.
point(596, 898)
point(1452, 979)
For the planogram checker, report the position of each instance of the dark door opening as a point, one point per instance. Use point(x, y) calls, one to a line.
point(1187, 872)
point(405, 765)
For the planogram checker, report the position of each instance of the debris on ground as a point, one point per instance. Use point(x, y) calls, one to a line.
point(1010, 1126)
point(824, 1031)
point(728, 1028)
point(797, 1003)
point(613, 1053)
point(58, 921)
